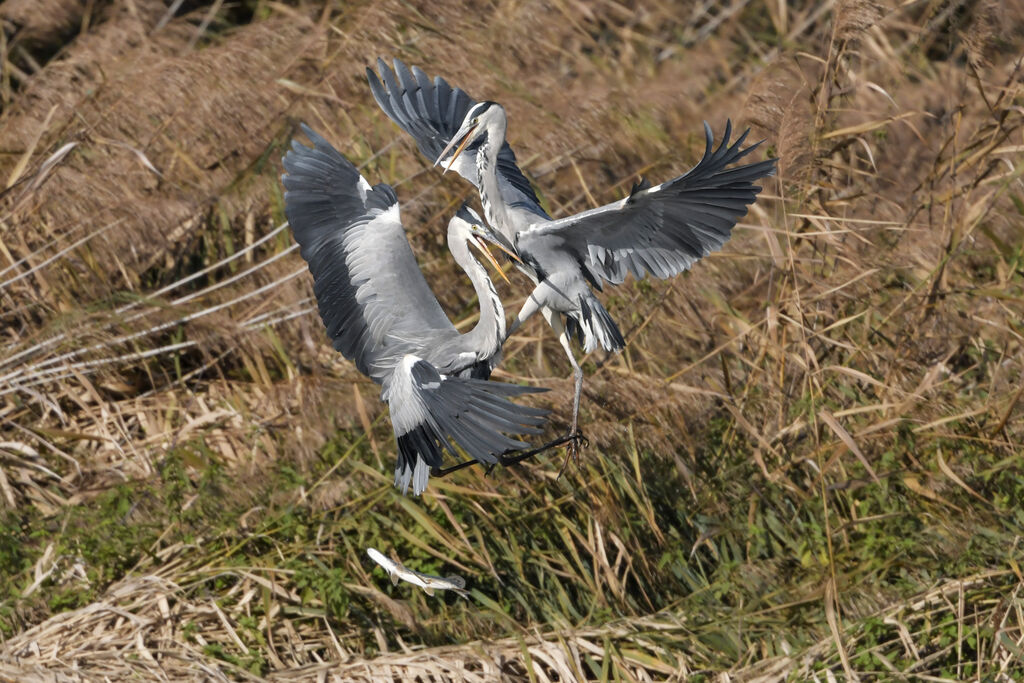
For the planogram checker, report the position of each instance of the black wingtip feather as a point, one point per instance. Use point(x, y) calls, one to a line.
point(418, 451)
point(639, 186)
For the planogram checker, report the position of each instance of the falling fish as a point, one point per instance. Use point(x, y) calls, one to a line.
point(427, 582)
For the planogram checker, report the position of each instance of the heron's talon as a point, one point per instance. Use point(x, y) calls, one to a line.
point(575, 442)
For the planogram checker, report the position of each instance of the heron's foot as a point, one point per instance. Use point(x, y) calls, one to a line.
point(513, 457)
point(576, 442)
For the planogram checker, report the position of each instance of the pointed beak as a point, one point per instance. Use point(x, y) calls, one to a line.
point(481, 245)
point(465, 141)
point(501, 242)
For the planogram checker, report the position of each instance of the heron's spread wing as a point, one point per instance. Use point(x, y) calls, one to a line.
point(431, 412)
point(372, 296)
point(663, 229)
point(432, 112)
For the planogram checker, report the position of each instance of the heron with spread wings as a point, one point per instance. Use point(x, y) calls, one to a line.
point(381, 314)
point(659, 230)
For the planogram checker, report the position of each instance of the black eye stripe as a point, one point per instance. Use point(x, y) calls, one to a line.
point(479, 108)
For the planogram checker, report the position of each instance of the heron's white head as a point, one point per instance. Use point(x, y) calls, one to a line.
point(482, 119)
point(466, 226)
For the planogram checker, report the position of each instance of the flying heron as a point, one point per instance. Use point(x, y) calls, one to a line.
point(660, 230)
point(381, 315)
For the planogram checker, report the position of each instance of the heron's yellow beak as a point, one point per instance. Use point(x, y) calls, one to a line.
point(481, 245)
point(462, 146)
point(511, 254)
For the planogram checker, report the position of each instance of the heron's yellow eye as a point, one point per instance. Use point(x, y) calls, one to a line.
point(476, 120)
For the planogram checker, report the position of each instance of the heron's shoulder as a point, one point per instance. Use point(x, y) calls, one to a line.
point(381, 197)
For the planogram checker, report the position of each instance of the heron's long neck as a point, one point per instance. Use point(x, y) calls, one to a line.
point(495, 208)
point(489, 332)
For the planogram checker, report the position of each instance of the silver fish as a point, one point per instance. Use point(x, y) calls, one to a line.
point(427, 582)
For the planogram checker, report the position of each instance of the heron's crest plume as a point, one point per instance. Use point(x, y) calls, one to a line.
point(479, 108)
point(467, 214)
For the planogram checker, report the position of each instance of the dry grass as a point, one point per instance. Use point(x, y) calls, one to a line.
point(140, 621)
point(806, 464)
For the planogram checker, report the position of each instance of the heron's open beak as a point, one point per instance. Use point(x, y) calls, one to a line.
point(482, 246)
point(465, 141)
point(502, 243)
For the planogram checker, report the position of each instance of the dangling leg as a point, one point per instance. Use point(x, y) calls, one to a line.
point(575, 436)
point(506, 460)
point(503, 459)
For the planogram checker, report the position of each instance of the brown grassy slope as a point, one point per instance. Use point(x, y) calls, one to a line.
point(862, 324)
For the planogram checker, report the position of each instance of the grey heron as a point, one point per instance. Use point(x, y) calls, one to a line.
point(659, 230)
point(381, 314)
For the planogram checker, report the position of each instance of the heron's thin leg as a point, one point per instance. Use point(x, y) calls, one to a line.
point(575, 437)
point(506, 460)
point(445, 471)
point(503, 460)
point(577, 375)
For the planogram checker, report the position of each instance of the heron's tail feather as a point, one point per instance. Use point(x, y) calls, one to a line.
point(433, 414)
point(593, 326)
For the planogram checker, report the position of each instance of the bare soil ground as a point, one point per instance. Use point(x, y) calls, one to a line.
point(807, 463)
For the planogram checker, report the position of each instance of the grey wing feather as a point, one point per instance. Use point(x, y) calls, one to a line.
point(662, 230)
point(431, 112)
point(432, 414)
point(371, 294)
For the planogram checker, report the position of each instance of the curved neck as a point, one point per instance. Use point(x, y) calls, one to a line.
point(489, 332)
point(495, 208)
